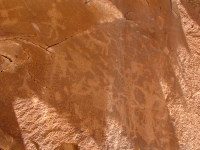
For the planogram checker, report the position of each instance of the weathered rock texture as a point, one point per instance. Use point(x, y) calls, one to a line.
point(102, 74)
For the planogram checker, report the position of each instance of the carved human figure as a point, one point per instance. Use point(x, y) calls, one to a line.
point(55, 16)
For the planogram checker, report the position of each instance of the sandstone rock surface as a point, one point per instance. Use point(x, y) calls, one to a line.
point(101, 74)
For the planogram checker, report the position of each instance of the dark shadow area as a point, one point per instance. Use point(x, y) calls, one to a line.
point(10, 126)
point(8, 121)
point(68, 146)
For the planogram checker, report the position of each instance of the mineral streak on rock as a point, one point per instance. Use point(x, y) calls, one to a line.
point(99, 75)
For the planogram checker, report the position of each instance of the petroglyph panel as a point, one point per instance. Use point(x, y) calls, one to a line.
point(99, 75)
point(93, 87)
point(46, 25)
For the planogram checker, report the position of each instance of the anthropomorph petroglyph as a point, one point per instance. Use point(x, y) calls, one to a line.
point(5, 14)
point(55, 16)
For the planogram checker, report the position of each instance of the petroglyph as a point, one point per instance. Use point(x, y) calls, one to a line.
point(5, 14)
point(96, 79)
point(55, 17)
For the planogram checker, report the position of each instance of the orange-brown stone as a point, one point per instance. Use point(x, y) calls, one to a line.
point(99, 75)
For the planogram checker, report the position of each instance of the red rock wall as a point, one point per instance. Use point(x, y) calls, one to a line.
point(105, 75)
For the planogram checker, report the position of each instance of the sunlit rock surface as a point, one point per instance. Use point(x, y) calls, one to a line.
point(100, 74)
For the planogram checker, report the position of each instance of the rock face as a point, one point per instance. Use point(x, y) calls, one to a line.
point(102, 74)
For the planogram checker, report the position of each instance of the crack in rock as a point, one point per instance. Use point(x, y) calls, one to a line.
point(47, 49)
point(147, 3)
point(6, 57)
point(26, 41)
point(37, 81)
